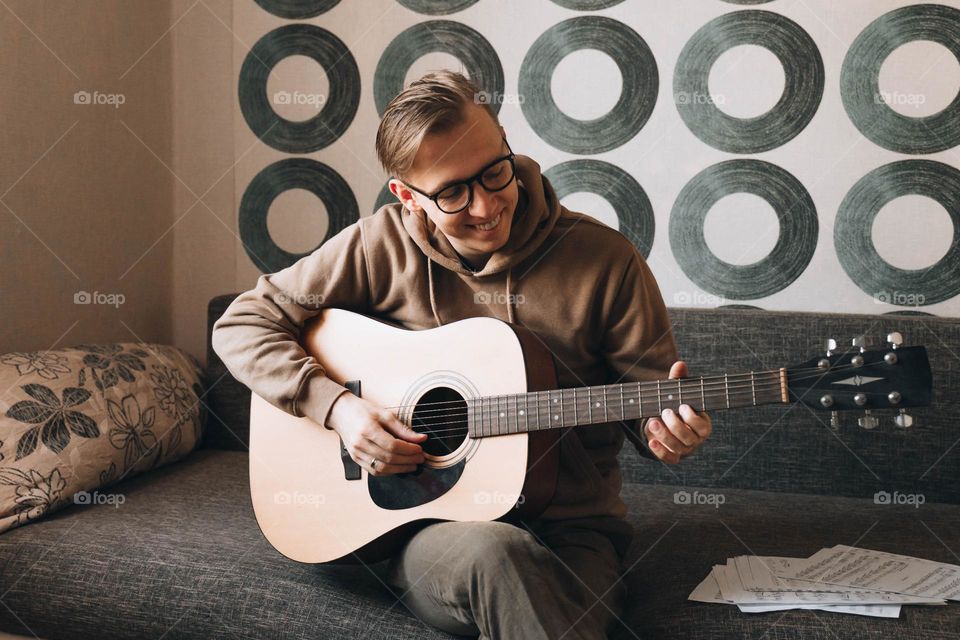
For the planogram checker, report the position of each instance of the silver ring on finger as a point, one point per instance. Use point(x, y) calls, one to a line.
point(373, 463)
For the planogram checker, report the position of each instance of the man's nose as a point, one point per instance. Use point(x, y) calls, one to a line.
point(485, 204)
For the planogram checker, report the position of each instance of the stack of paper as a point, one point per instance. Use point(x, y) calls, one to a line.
point(840, 579)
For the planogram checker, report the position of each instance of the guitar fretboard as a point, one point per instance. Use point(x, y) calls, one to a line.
point(556, 408)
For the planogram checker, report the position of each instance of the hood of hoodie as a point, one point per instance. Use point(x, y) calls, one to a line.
point(537, 212)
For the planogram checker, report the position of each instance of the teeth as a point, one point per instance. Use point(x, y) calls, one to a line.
point(490, 225)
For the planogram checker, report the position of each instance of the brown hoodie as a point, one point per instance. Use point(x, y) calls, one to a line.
point(579, 285)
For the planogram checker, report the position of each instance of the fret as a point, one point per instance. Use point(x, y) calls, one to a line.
point(516, 416)
point(753, 387)
point(640, 396)
point(589, 405)
point(679, 393)
point(703, 398)
point(623, 409)
point(605, 403)
point(563, 420)
point(726, 389)
point(659, 399)
point(499, 411)
point(537, 396)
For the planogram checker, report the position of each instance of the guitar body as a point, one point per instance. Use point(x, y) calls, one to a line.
point(314, 505)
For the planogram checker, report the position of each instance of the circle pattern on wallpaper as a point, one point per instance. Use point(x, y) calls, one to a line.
point(860, 80)
point(638, 69)
point(437, 7)
point(802, 92)
point(297, 9)
point(587, 5)
point(291, 173)
point(795, 245)
point(438, 36)
point(616, 186)
point(852, 232)
point(339, 107)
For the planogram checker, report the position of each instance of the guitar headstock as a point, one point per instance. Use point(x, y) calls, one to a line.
point(872, 374)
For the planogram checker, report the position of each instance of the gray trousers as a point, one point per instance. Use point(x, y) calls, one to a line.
point(545, 579)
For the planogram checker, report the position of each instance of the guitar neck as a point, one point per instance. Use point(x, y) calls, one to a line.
point(556, 408)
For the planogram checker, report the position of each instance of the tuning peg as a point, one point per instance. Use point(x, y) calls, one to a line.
point(868, 421)
point(831, 346)
point(903, 420)
point(835, 420)
point(862, 342)
point(895, 339)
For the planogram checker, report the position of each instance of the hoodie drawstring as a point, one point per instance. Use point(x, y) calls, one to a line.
point(433, 299)
point(511, 317)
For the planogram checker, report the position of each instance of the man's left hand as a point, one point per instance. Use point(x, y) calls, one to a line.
point(676, 435)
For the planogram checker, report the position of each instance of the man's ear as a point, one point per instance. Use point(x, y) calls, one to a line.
point(403, 194)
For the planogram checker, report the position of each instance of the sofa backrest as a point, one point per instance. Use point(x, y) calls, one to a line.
point(787, 449)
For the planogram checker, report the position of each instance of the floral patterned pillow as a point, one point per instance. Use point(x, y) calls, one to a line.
point(88, 416)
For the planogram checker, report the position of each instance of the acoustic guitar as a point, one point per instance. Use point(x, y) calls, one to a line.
point(485, 392)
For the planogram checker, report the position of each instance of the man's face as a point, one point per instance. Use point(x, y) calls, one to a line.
point(455, 155)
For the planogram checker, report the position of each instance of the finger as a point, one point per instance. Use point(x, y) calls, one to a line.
point(385, 469)
point(369, 449)
point(699, 422)
point(663, 453)
point(677, 433)
point(678, 370)
point(385, 440)
point(399, 429)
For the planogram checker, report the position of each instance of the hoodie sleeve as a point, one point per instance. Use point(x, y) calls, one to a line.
point(258, 335)
point(638, 340)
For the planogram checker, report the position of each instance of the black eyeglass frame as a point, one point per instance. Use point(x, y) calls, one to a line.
point(477, 177)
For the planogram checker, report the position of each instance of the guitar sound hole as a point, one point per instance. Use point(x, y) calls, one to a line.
point(441, 413)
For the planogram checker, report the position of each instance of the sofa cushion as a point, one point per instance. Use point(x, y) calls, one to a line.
point(80, 418)
point(183, 555)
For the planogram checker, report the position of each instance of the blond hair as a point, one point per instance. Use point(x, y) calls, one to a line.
point(435, 103)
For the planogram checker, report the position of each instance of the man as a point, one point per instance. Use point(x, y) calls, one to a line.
point(478, 231)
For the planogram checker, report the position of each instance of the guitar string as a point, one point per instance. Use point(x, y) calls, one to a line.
point(749, 381)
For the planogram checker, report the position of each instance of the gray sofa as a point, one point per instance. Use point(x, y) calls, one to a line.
point(183, 556)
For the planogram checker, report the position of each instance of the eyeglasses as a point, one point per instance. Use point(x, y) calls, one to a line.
point(456, 197)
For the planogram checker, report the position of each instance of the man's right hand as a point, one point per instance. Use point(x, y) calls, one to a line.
point(370, 433)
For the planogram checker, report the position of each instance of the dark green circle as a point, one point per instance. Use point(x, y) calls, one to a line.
point(281, 176)
point(792, 253)
point(853, 230)
point(860, 80)
point(339, 109)
point(616, 186)
point(444, 36)
point(437, 7)
point(802, 92)
point(638, 68)
point(587, 5)
point(297, 9)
